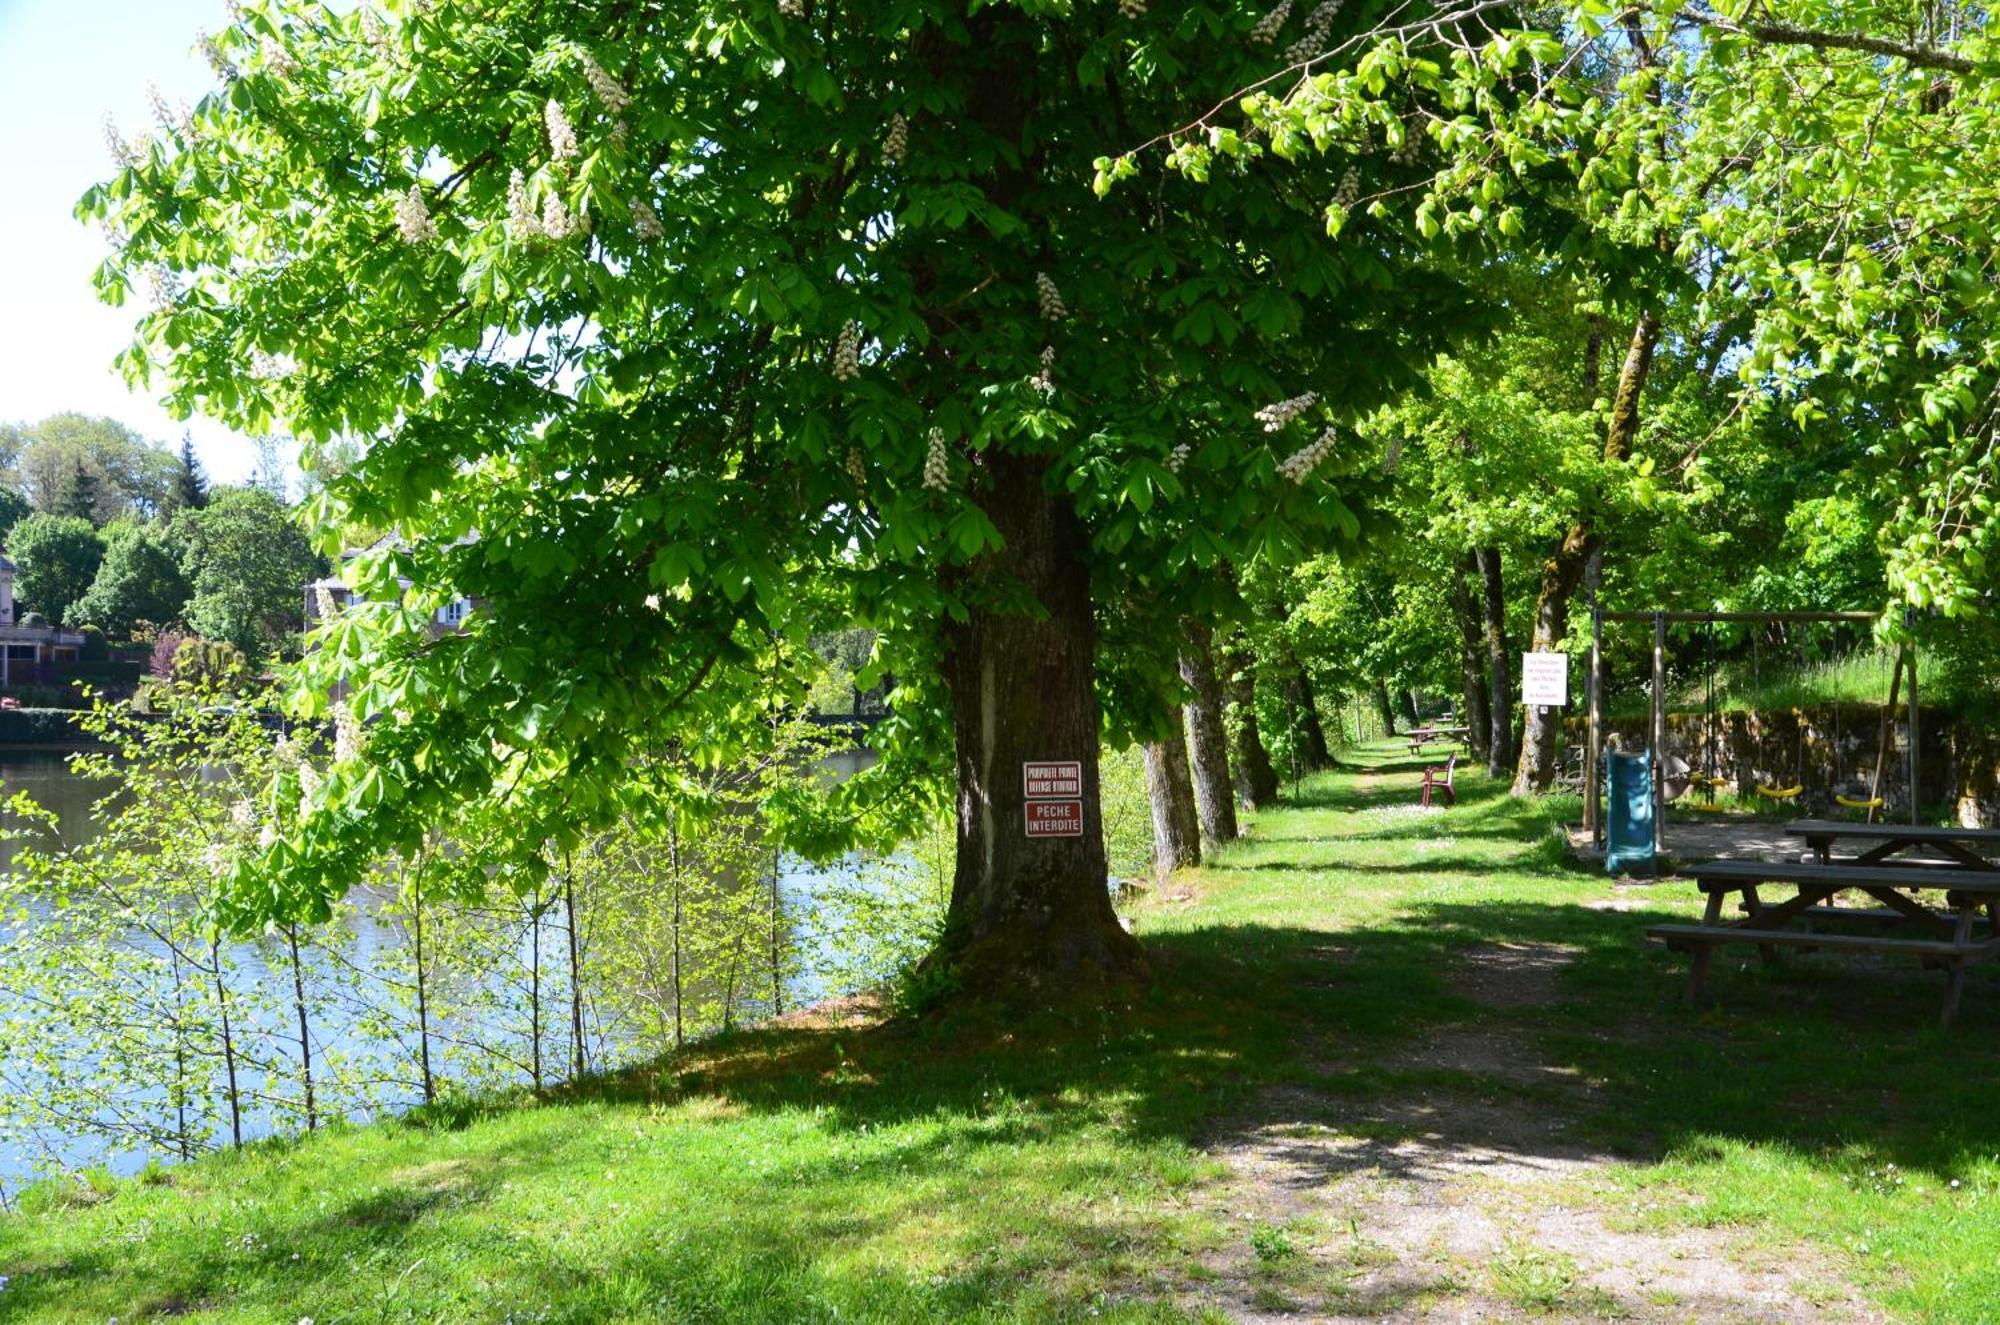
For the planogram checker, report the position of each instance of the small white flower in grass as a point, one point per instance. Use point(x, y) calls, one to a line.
point(1178, 457)
point(562, 135)
point(1049, 298)
point(937, 463)
point(557, 220)
point(521, 222)
point(1299, 466)
point(645, 221)
point(1275, 417)
point(1267, 27)
point(896, 144)
point(224, 67)
point(413, 219)
point(608, 89)
point(277, 60)
point(348, 736)
point(847, 353)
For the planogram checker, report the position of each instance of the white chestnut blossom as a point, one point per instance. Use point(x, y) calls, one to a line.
point(609, 90)
point(1350, 188)
point(1319, 25)
point(1178, 457)
point(792, 8)
point(1275, 417)
point(847, 353)
point(645, 221)
point(224, 67)
point(162, 286)
point(243, 814)
point(277, 60)
point(896, 143)
point(562, 134)
point(1049, 298)
point(557, 220)
point(1300, 464)
point(857, 468)
point(123, 153)
point(374, 31)
point(937, 464)
point(1267, 27)
point(413, 219)
point(1132, 8)
point(1045, 380)
point(1393, 458)
point(309, 785)
point(265, 367)
point(521, 222)
point(173, 120)
point(348, 737)
point(324, 603)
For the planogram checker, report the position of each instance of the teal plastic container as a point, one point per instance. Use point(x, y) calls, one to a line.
point(1628, 841)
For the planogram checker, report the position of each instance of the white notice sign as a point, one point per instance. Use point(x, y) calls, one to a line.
point(1545, 679)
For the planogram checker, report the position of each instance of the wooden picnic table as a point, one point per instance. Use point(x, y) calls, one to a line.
point(1966, 848)
point(1965, 930)
point(1423, 736)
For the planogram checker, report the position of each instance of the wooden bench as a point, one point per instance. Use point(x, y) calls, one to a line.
point(1965, 931)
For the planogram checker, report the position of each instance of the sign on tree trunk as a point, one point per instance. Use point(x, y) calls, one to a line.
point(1545, 679)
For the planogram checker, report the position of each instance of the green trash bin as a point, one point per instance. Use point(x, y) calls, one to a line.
point(1628, 842)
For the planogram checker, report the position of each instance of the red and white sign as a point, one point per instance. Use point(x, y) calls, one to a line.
point(1060, 779)
point(1055, 818)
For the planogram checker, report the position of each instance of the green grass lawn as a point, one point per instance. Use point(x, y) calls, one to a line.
point(1068, 1169)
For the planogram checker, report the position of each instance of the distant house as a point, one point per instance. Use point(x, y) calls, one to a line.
point(449, 617)
point(30, 655)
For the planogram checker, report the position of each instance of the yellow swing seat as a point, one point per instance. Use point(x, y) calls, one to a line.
point(1779, 793)
point(1856, 803)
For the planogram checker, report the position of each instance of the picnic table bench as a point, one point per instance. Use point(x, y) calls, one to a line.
point(1965, 848)
point(1965, 930)
point(1423, 736)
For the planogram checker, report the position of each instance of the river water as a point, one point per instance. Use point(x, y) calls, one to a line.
point(47, 778)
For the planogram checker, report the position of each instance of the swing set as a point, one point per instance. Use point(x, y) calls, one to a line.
point(1671, 777)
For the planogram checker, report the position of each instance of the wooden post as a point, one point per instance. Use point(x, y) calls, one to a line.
point(1887, 735)
point(1593, 740)
point(1916, 730)
point(1659, 760)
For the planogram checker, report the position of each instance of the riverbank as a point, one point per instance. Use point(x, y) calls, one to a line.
point(1394, 1064)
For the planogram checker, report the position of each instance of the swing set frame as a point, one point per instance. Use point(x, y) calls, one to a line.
point(1593, 799)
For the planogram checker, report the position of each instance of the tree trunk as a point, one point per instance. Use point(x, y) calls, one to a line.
point(1256, 780)
point(1176, 834)
point(1313, 750)
point(1027, 912)
point(1385, 712)
point(1499, 664)
point(1208, 746)
point(1563, 571)
point(1478, 716)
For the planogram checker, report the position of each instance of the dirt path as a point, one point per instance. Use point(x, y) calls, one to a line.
point(1464, 1197)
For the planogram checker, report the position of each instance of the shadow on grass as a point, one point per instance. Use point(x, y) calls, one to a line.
point(983, 1149)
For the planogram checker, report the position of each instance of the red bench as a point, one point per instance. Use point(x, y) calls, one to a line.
point(1439, 779)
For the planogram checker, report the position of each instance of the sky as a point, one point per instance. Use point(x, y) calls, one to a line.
point(63, 65)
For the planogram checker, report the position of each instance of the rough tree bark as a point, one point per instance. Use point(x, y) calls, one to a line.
point(1499, 663)
point(1208, 745)
point(1478, 714)
point(1384, 710)
point(1314, 752)
point(1176, 833)
point(1563, 571)
point(1256, 780)
point(1027, 913)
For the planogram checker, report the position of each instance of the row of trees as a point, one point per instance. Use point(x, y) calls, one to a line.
point(871, 323)
point(132, 1023)
point(230, 566)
